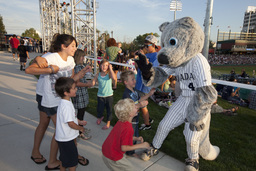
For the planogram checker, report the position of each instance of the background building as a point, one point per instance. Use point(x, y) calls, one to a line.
point(239, 42)
point(249, 25)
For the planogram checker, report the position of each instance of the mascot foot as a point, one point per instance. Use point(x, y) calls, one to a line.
point(214, 152)
point(149, 153)
point(191, 165)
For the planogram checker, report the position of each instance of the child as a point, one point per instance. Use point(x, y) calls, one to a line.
point(82, 97)
point(67, 124)
point(105, 92)
point(121, 137)
point(128, 78)
point(23, 51)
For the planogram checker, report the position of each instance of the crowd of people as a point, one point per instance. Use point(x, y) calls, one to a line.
point(231, 59)
point(62, 91)
point(32, 45)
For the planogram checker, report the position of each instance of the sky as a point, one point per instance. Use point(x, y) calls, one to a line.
point(130, 18)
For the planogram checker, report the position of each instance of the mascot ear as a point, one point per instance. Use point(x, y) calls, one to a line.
point(162, 26)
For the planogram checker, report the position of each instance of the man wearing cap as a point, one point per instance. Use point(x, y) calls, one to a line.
point(150, 46)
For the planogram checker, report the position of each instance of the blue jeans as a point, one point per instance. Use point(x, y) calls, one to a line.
point(102, 103)
point(135, 125)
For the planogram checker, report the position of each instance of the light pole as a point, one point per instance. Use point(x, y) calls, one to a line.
point(175, 5)
point(207, 27)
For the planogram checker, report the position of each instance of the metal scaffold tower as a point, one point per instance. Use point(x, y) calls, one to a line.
point(50, 20)
point(76, 17)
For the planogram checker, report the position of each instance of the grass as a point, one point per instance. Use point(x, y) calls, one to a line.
point(235, 135)
point(225, 69)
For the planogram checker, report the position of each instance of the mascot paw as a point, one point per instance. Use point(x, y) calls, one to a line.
point(196, 128)
point(214, 152)
point(144, 66)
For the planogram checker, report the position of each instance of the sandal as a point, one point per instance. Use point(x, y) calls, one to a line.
point(39, 158)
point(105, 127)
point(83, 161)
point(85, 137)
point(99, 120)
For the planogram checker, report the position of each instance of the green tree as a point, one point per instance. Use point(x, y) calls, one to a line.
point(2, 26)
point(31, 33)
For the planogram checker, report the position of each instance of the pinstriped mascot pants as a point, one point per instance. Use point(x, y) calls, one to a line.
point(174, 117)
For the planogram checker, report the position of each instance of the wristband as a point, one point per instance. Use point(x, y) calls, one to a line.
point(51, 69)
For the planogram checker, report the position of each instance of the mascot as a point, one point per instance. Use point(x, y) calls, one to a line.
point(182, 41)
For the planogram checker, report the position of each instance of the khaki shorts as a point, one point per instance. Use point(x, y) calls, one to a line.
point(122, 164)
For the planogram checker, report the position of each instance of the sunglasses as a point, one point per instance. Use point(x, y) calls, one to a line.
point(148, 45)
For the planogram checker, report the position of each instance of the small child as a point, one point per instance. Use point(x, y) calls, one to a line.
point(23, 51)
point(105, 91)
point(121, 137)
point(82, 96)
point(67, 128)
point(128, 78)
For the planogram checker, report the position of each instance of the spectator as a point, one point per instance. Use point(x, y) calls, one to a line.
point(150, 44)
point(15, 43)
point(112, 52)
point(243, 74)
point(23, 51)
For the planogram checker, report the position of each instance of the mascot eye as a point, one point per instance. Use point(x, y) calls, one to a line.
point(173, 41)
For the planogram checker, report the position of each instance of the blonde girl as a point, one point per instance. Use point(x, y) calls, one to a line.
point(82, 97)
point(105, 92)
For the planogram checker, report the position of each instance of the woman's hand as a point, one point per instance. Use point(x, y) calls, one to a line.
point(41, 62)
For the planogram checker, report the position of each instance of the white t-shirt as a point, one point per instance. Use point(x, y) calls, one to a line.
point(39, 85)
point(65, 113)
point(50, 97)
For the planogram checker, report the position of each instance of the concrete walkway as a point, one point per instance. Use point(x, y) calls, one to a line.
point(19, 118)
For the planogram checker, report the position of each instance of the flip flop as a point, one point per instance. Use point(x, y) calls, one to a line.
point(42, 158)
point(82, 160)
point(99, 120)
point(105, 127)
point(55, 168)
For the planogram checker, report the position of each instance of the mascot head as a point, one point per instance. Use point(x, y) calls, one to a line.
point(181, 40)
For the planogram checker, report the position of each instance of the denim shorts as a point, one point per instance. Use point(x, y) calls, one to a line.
point(49, 111)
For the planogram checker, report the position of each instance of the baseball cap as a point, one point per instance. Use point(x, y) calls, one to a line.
point(152, 39)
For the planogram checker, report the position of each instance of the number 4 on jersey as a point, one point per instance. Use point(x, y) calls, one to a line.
point(191, 86)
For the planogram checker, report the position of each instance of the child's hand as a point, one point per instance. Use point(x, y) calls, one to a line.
point(82, 129)
point(110, 67)
point(82, 122)
point(87, 69)
point(146, 145)
point(140, 139)
point(144, 103)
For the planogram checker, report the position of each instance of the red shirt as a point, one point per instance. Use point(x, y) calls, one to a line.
point(121, 134)
point(14, 42)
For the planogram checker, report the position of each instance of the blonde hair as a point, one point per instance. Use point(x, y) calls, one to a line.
point(124, 75)
point(123, 109)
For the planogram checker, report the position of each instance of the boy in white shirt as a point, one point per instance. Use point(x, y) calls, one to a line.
point(67, 128)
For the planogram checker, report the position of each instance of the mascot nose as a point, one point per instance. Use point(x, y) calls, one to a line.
point(163, 59)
